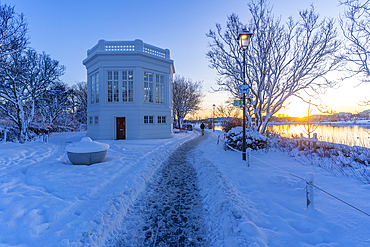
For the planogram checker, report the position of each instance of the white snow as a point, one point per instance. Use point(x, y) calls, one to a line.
point(86, 145)
point(47, 201)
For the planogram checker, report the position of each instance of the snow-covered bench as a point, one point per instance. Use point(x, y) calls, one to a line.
point(86, 152)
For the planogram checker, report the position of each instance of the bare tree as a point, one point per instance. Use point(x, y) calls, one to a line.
point(79, 95)
point(13, 31)
point(28, 77)
point(187, 97)
point(227, 111)
point(282, 59)
point(355, 24)
point(229, 115)
point(309, 126)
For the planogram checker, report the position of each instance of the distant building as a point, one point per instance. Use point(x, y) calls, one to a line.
point(129, 91)
point(342, 114)
point(365, 114)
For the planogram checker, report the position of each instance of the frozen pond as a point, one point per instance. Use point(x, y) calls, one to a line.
point(352, 135)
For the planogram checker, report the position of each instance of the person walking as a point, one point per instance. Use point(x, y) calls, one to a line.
point(202, 128)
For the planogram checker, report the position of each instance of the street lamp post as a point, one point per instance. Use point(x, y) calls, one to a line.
point(213, 118)
point(244, 38)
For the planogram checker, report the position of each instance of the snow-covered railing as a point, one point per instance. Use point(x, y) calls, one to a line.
point(128, 46)
point(154, 51)
point(314, 141)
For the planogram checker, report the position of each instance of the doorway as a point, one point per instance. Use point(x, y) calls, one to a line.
point(121, 128)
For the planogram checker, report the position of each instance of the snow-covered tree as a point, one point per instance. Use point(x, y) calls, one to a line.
point(13, 31)
point(355, 24)
point(24, 81)
point(79, 94)
point(187, 97)
point(283, 60)
point(53, 103)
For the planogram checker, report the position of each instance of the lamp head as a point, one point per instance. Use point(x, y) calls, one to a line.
point(244, 38)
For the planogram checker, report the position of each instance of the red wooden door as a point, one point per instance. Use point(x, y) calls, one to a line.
point(121, 128)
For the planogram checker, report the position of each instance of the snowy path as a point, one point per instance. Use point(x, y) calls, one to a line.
point(169, 212)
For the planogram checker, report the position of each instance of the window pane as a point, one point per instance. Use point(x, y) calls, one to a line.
point(162, 94)
point(92, 89)
point(97, 88)
point(148, 87)
point(128, 86)
point(146, 92)
point(131, 91)
point(150, 119)
point(115, 91)
point(110, 92)
point(150, 92)
point(157, 93)
point(124, 91)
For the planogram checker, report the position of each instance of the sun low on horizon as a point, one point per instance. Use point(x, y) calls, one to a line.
point(347, 97)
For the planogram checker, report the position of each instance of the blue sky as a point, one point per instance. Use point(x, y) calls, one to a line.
point(67, 29)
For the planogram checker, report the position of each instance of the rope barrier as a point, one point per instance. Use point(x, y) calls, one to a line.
point(305, 181)
point(233, 148)
point(279, 168)
point(341, 200)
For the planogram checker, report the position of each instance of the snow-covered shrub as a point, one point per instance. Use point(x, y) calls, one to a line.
point(335, 158)
point(283, 143)
point(253, 139)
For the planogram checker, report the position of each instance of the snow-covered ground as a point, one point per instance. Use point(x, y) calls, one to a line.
point(47, 201)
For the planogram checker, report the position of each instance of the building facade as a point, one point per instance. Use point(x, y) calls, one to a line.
point(129, 91)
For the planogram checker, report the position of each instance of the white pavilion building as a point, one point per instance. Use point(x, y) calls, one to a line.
point(129, 91)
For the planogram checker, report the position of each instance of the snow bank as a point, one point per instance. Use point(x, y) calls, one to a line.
point(265, 206)
point(47, 201)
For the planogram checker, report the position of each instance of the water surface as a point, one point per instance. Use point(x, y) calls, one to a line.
point(352, 135)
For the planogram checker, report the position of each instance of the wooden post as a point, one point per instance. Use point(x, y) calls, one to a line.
point(310, 179)
point(249, 157)
point(225, 145)
point(308, 144)
point(300, 142)
point(5, 131)
point(314, 142)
